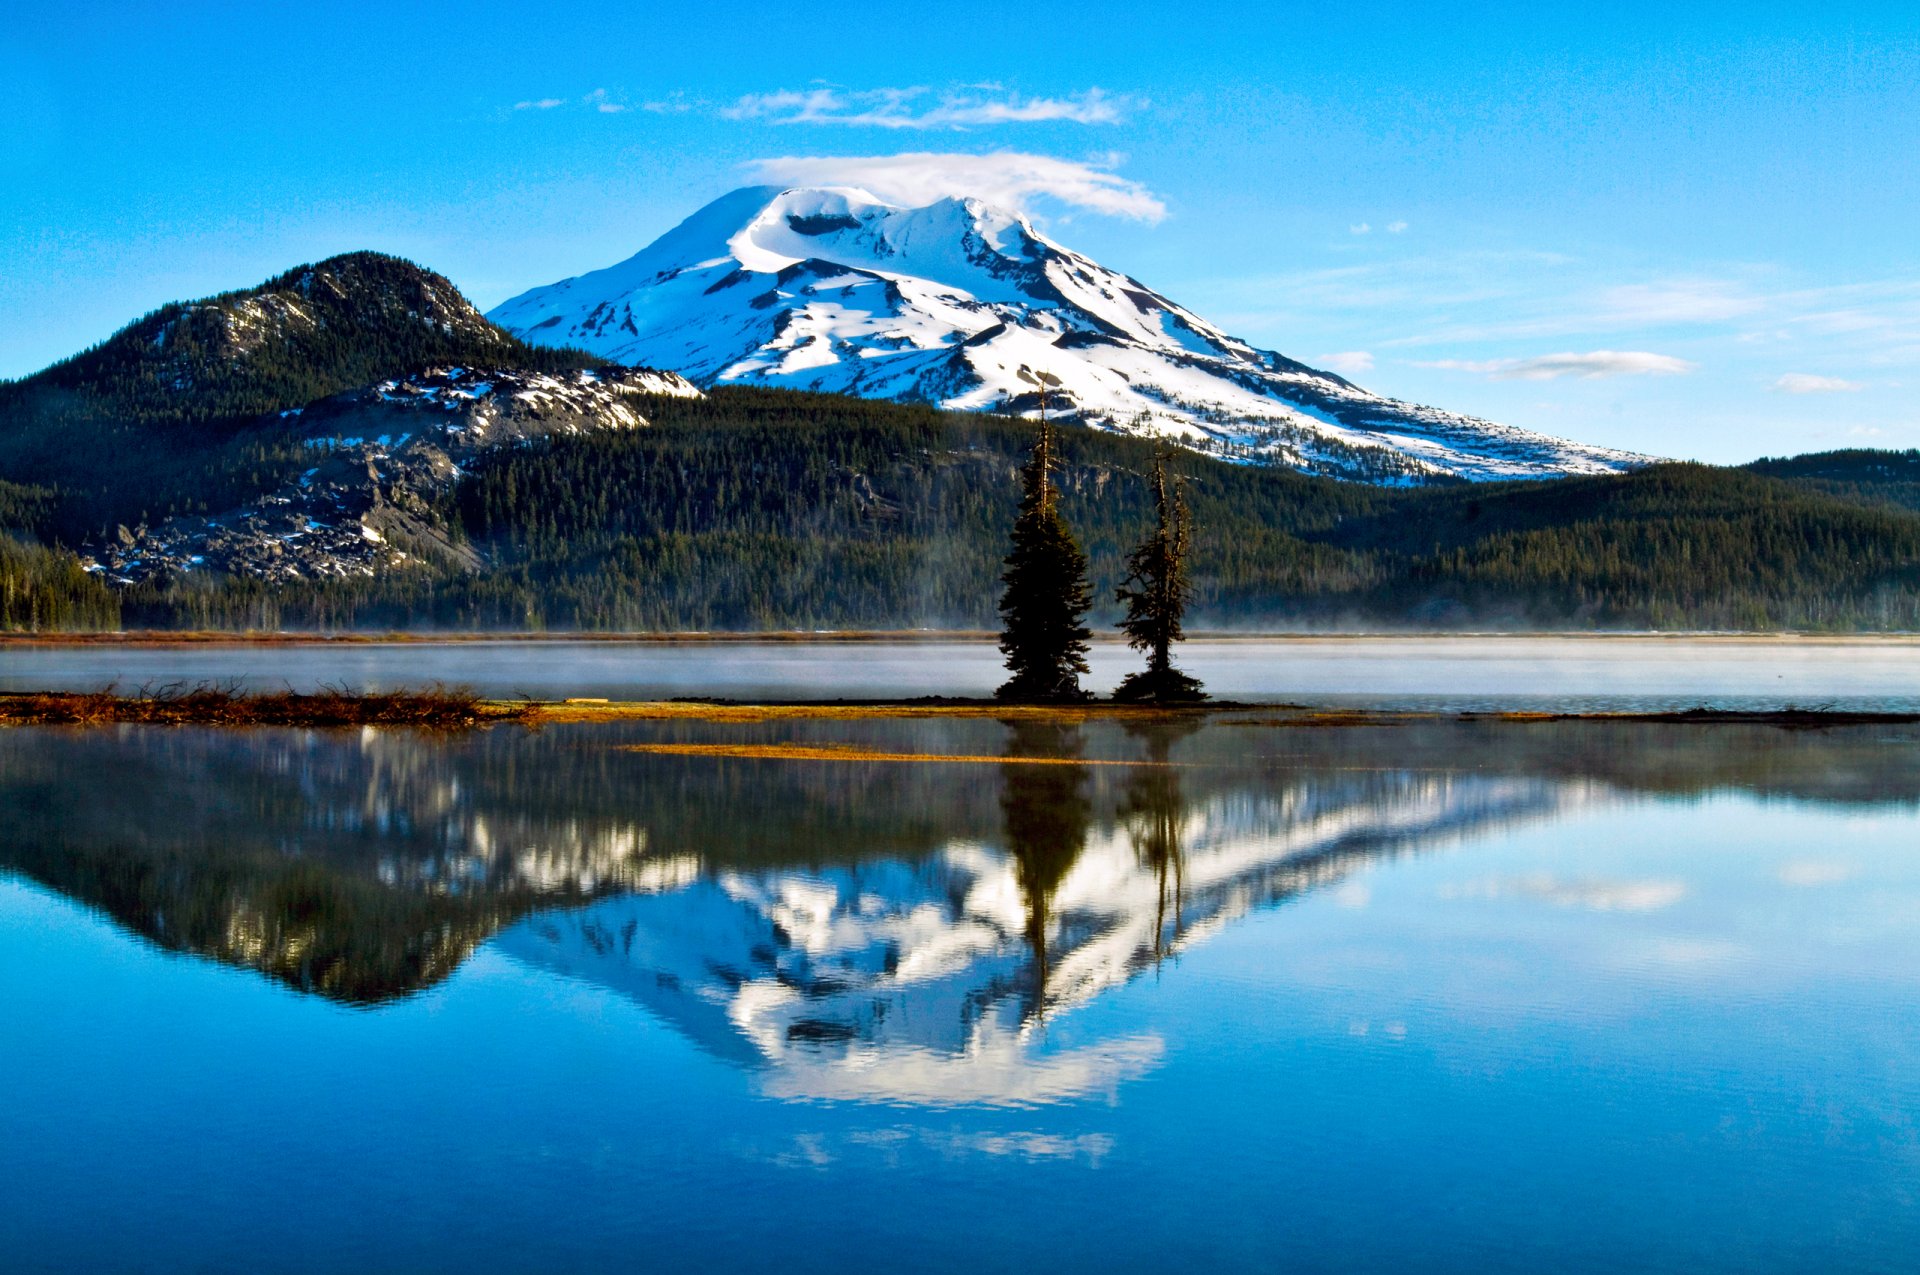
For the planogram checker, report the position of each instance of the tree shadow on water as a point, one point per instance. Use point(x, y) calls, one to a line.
point(1153, 810)
point(1047, 813)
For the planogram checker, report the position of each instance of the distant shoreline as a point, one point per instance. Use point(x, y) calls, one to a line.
point(916, 636)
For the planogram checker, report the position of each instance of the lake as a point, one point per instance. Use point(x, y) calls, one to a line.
point(1437, 996)
point(1573, 672)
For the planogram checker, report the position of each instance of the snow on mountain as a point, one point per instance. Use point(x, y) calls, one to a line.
point(832, 289)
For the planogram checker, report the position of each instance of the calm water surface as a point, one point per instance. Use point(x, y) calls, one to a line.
point(1438, 997)
point(1412, 672)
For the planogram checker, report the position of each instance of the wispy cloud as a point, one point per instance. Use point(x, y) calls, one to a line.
point(1396, 227)
point(1348, 363)
point(1807, 383)
point(1547, 367)
point(601, 100)
point(922, 108)
point(1676, 301)
point(1012, 179)
point(1360, 228)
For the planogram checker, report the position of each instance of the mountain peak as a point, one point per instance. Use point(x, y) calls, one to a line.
point(832, 288)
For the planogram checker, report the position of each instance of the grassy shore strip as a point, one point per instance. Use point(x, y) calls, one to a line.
point(700, 710)
point(461, 709)
point(214, 706)
point(854, 752)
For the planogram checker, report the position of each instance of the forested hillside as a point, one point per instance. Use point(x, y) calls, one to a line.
point(180, 410)
point(1863, 476)
point(757, 509)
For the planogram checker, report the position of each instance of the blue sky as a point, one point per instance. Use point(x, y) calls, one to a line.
point(1692, 230)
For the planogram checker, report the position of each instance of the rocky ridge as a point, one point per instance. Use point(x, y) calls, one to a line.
point(381, 454)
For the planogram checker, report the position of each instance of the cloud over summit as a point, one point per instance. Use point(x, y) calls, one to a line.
point(920, 108)
point(1012, 179)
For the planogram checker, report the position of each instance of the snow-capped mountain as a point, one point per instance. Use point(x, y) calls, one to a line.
point(832, 289)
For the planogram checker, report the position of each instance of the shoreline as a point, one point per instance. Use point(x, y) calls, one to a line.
point(208, 638)
point(458, 711)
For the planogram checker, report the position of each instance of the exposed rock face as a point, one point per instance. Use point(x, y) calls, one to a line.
point(381, 454)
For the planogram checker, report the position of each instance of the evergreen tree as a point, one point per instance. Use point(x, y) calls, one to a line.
point(1156, 593)
point(1047, 592)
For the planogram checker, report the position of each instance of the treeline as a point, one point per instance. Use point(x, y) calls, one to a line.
point(41, 588)
point(757, 509)
point(1859, 475)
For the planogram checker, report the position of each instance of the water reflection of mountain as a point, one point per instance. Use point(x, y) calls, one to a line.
point(899, 903)
point(931, 981)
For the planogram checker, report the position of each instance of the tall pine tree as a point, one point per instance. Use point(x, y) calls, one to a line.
point(1047, 593)
point(1156, 593)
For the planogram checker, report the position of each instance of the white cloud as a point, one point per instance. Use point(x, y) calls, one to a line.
point(599, 100)
point(1348, 363)
point(1011, 179)
point(910, 108)
point(1360, 229)
point(1596, 363)
point(1807, 383)
point(1676, 301)
point(1396, 227)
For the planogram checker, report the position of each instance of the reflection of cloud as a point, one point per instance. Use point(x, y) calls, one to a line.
point(1809, 872)
point(1011, 179)
point(1593, 894)
point(820, 1150)
point(1695, 953)
point(999, 1069)
point(1091, 1147)
point(1353, 894)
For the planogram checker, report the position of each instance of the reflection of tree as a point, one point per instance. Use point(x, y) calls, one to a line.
point(1152, 808)
point(1046, 814)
